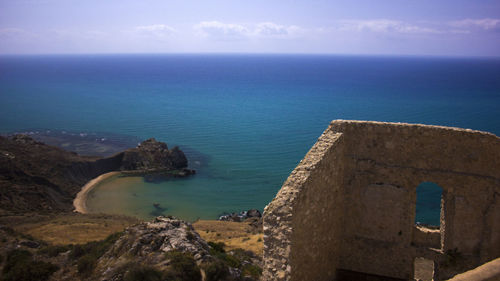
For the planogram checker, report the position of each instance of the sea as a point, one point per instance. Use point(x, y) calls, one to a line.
point(244, 120)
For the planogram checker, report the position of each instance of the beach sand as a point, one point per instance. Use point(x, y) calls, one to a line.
point(80, 202)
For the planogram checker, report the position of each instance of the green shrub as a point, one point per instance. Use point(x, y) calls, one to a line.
point(237, 258)
point(88, 254)
point(54, 250)
point(143, 273)
point(20, 266)
point(94, 248)
point(245, 258)
point(86, 265)
point(27, 237)
point(15, 258)
point(230, 260)
point(216, 270)
point(251, 270)
point(217, 250)
point(242, 255)
point(77, 251)
point(182, 267)
point(216, 247)
point(190, 236)
point(8, 230)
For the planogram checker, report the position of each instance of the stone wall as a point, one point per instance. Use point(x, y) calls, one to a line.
point(489, 271)
point(350, 204)
point(307, 207)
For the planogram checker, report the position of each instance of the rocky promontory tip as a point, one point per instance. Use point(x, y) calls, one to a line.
point(153, 155)
point(155, 161)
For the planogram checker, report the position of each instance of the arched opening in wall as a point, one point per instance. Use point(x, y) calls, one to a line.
point(428, 205)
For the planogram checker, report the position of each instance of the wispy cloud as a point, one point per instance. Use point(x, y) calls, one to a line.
point(232, 31)
point(271, 29)
point(390, 26)
point(159, 31)
point(484, 24)
point(221, 31)
point(384, 26)
point(11, 31)
point(73, 34)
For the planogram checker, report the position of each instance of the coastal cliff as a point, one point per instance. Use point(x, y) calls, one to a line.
point(39, 177)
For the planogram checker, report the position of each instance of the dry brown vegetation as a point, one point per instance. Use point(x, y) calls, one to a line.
point(70, 228)
point(233, 234)
point(74, 228)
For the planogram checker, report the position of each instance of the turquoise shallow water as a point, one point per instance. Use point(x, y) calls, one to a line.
point(245, 121)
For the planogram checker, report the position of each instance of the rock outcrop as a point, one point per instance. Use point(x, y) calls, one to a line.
point(162, 235)
point(163, 249)
point(153, 155)
point(39, 177)
point(173, 248)
point(149, 243)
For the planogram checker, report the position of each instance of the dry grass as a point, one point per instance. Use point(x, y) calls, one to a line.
point(233, 234)
point(74, 228)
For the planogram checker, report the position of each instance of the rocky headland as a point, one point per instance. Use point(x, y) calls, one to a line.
point(39, 177)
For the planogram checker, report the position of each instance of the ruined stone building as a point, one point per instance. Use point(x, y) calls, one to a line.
point(347, 211)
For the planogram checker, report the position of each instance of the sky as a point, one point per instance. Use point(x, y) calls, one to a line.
point(364, 27)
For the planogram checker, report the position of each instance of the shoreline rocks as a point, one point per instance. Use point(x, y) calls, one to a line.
point(241, 216)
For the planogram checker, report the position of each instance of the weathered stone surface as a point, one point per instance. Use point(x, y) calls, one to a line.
point(148, 243)
point(350, 203)
point(489, 271)
point(307, 208)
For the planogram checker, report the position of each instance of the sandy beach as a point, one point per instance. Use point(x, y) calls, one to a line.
point(80, 202)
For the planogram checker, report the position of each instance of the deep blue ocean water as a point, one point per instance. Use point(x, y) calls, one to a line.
point(245, 121)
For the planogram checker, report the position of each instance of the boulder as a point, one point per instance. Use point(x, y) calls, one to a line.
point(253, 213)
point(30, 244)
point(151, 240)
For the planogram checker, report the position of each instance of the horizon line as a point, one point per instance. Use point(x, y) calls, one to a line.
point(257, 53)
